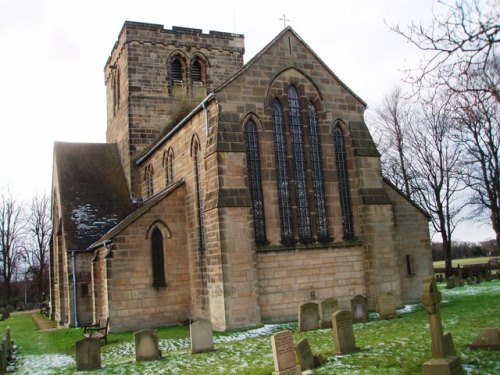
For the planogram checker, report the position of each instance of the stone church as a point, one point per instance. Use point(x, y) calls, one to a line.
point(226, 191)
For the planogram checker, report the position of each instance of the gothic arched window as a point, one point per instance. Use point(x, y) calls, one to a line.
point(345, 199)
point(199, 199)
point(196, 72)
point(148, 179)
point(176, 69)
point(168, 164)
point(317, 174)
point(299, 165)
point(255, 181)
point(157, 258)
point(284, 201)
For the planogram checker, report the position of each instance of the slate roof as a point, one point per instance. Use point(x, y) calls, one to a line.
point(93, 191)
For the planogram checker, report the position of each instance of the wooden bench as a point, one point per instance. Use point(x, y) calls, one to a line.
point(99, 330)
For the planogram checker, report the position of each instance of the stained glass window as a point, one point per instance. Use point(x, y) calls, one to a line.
point(255, 181)
point(317, 174)
point(345, 199)
point(299, 166)
point(282, 173)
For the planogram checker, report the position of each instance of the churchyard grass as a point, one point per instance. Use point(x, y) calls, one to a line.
point(397, 346)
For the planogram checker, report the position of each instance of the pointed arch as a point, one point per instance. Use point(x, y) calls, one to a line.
point(162, 226)
point(158, 258)
point(342, 173)
point(196, 155)
point(168, 165)
point(148, 180)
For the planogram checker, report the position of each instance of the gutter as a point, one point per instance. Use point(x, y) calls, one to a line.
point(177, 127)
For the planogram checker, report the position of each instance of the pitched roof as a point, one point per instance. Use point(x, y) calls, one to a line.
point(269, 45)
point(93, 191)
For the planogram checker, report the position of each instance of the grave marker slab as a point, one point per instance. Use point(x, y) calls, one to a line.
point(305, 356)
point(359, 308)
point(489, 339)
point(444, 359)
point(308, 316)
point(343, 333)
point(386, 307)
point(326, 309)
point(146, 345)
point(201, 333)
point(284, 354)
point(88, 354)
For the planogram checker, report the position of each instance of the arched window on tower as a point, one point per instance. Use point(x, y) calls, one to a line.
point(345, 199)
point(177, 77)
point(116, 90)
point(255, 181)
point(157, 258)
point(299, 165)
point(198, 80)
point(284, 201)
point(148, 180)
point(317, 174)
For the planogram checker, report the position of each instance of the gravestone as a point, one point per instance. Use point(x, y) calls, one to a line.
point(359, 308)
point(308, 316)
point(444, 359)
point(451, 282)
point(488, 339)
point(343, 333)
point(284, 354)
point(88, 354)
point(202, 339)
point(305, 356)
point(3, 358)
point(386, 307)
point(326, 308)
point(146, 345)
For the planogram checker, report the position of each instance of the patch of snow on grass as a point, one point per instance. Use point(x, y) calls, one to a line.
point(43, 364)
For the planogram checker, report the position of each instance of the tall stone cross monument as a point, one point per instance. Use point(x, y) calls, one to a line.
point(444, 357)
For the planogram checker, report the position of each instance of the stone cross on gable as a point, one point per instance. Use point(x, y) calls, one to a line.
point(284, 20)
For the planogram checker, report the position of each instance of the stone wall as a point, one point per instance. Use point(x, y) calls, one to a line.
point(133, 301)
point(145, 106)
point(289, 278)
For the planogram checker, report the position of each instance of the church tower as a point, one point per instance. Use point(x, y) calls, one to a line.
point(154, 77)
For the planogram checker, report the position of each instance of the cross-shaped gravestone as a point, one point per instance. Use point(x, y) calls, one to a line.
point(444, 359)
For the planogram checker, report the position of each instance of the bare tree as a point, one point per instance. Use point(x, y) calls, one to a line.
point(478, 130)
point(390, 122)
point(459, 41)
point(36, 247)
point(463, 63)
point(435, 171)
point(11, 230)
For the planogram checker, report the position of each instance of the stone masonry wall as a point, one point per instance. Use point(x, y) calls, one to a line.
point(148, 106)
point(289, 278)
point(133, 302)
point(413, 240)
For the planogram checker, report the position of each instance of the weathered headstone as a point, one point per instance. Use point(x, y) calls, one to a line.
point(284, 354)
point(308, 316)
point(343, 332)
point(451, 282)
point(88, 354)
point(3, 358)
point(359, 308)
point(146, 345)
point(326, 309)
point(444, 359)
point(386, 307)
point(202, 339)
point(488, 339)
point(305, 356)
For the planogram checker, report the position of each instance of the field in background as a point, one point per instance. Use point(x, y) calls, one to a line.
point(464, 261)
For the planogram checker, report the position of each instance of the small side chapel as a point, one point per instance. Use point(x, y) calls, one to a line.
point(226, 191)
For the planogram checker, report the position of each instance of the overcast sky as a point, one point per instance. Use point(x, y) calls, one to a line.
point(53, 54)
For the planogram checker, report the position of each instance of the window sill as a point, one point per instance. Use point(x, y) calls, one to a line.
point(309, 246)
